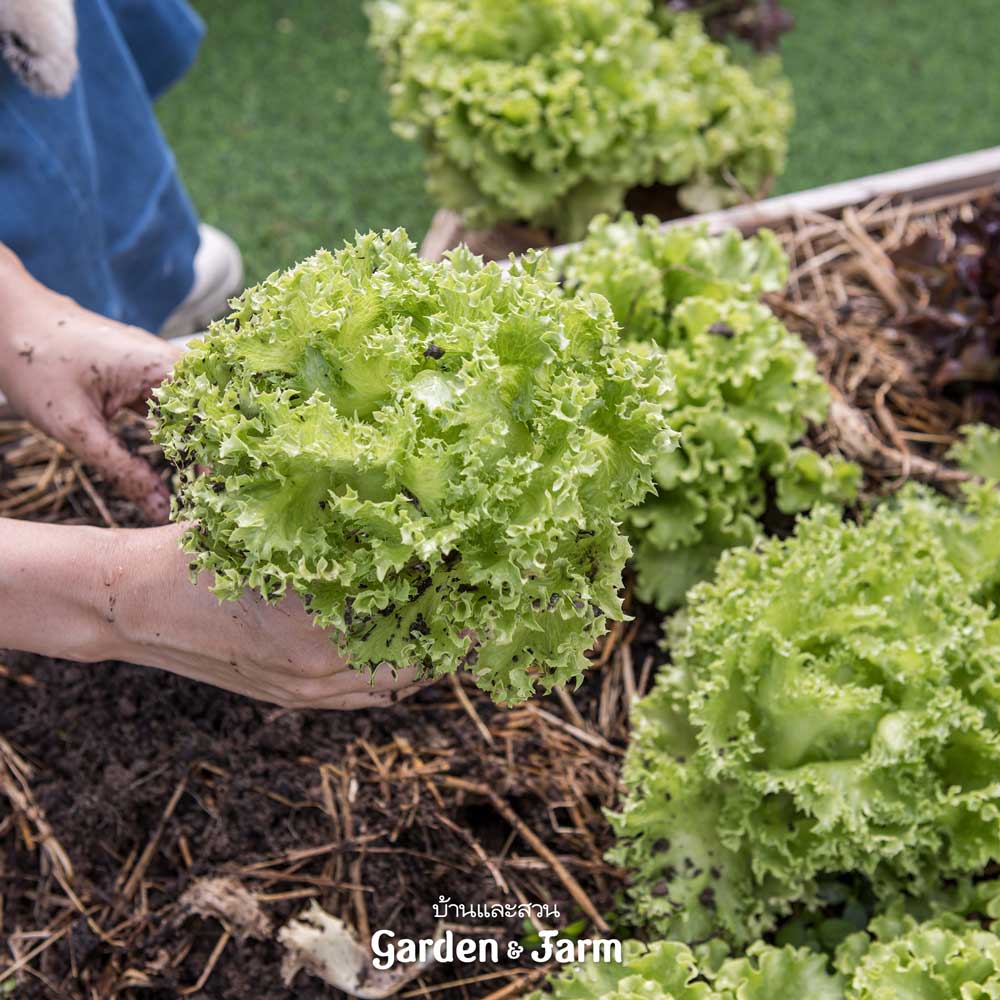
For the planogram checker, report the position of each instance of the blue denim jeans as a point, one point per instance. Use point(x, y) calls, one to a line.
point(90, 199)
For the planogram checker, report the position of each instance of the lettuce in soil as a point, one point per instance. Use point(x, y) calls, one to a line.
point(953, 954)
point(670, 970)
point(745, 391)
point(832, 706)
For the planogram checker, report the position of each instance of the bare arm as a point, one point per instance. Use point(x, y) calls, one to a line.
point(90, 594)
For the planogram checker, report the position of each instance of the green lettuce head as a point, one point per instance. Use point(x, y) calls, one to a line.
point(434, 457)
point(897, 957)
point(746, 390)
point(833, 706)
point(549, 111)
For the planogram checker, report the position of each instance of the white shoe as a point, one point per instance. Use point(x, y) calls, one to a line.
point(218, 275)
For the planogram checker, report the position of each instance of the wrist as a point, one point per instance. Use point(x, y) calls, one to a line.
point(27, 307)
point(143, 568)
point(15, 286)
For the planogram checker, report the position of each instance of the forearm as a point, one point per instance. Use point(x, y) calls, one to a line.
point(91, 594)
point(15, 285)
point(56, 587)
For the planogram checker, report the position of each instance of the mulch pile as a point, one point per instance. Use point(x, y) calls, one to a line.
point(123, 790)
point(901, 304)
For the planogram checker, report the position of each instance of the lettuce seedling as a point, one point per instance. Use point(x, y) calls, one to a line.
point(746, 389)
point(548, 111)
point(434, 457)
point(832, 706)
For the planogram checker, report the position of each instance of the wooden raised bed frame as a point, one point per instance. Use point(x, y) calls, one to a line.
point(944, 178)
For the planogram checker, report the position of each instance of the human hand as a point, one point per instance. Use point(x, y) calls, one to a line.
point(272, 653)
point(129, 597)
point(69, 371)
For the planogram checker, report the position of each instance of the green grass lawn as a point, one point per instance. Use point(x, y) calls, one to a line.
point(282, 134)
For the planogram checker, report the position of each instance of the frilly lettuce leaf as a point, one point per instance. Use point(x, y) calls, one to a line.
point(435, 457)
point(896, 958)
point(768, 973)
point(833, 706)
point(745, 391)
point(549, 111)
point(978, 451)
point(645, 270)
point(938, 960)
point(669, 970)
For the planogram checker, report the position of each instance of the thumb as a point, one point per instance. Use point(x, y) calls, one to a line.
point(127, 474)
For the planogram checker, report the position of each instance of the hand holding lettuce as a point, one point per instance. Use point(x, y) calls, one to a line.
point(435, 457)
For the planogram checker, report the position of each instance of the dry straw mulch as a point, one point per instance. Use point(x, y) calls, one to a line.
point(40, 480)
point(896, 300)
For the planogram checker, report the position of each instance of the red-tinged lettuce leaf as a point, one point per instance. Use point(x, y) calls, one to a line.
point(759, 22)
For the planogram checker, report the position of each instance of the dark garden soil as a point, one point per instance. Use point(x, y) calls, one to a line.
point(123, 789)
point(150, 783)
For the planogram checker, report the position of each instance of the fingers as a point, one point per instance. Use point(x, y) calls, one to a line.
point(352, 689)
point(127, 474)
point(356, 702)
point(367, 698)
point(388, 679)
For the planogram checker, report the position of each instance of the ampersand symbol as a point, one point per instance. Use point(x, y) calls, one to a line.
point(514, 950)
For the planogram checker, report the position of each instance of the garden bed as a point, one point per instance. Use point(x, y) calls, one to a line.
point(128, 786)
point(124, 787)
